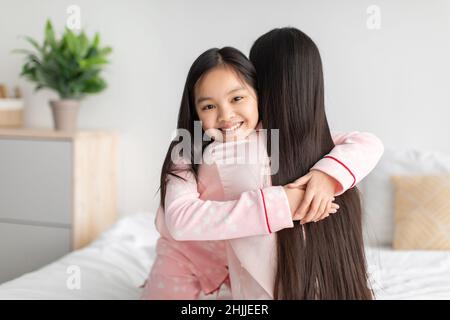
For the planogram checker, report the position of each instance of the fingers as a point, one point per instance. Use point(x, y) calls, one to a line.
point(300, 181)
point(295, 186)
point(312, 210)
point(334, 206)
point(306, 202)
point(333, 210)
point(322, 210)
point(295, 217)
point(326, 208)
point(329, 210)
point(326, 215)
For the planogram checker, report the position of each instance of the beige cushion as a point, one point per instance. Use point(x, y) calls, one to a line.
point(422, 212)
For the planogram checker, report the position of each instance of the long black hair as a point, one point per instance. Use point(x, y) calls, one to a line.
point(323, 260)
point(208, 60)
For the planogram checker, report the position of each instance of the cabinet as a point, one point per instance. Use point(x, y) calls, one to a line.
point(57, 194)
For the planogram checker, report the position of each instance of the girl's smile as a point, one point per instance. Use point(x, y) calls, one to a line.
point(231, 128)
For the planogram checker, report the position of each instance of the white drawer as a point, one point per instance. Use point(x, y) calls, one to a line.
point(25, 248)
point(36, 181)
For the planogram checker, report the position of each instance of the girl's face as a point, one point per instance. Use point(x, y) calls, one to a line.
point(226, 105)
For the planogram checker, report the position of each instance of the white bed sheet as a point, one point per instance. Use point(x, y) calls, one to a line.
point(116, 264)
point(112, 267)
point(413, 275)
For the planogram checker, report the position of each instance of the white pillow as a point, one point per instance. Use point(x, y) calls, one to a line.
point(378, 191)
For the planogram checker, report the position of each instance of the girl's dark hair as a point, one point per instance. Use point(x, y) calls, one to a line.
point(212, 58)
point(323, 260)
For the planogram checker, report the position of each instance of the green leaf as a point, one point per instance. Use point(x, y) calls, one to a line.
point(105, 51)
point(94, 85)
point(84, 44)
point(88, 63)
point(22, 51)
point(96, 42)
point(50, 34)
point(35, 44)
point(71, 41)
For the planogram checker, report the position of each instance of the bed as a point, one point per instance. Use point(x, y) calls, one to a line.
point(116, 265)
point(112, 267)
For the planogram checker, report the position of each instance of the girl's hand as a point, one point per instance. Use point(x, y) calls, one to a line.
point(318, 198)
point(295, 197)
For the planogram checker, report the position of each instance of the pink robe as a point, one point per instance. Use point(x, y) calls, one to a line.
point(226, 224)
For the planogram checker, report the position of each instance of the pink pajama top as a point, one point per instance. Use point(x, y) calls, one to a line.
point(224, 224)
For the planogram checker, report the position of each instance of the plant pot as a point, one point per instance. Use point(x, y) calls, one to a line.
point(65, 114)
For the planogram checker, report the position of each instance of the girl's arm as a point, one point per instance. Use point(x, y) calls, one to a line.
point(256, 212)
point(267, 210)
point(354, 156)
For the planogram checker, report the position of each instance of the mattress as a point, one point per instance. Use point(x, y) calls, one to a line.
point(117, 264)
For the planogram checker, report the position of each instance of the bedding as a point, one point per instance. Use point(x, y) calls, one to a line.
point(112, 267)
point(378, 190)
point(117, 264)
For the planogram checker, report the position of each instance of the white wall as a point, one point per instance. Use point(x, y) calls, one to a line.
point(392, 81)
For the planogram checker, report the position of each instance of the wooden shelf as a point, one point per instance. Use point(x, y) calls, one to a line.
point(48, 133)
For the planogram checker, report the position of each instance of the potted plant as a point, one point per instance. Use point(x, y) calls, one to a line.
point(71, 66)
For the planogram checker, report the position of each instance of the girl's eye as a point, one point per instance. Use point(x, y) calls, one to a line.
point(236, 99)
point(208, 107)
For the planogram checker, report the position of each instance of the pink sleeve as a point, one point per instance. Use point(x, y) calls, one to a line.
point(353, 157)
point(256, 212)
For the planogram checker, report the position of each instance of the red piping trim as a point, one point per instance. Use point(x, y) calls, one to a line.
point(265, 211)
point(354, 178)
